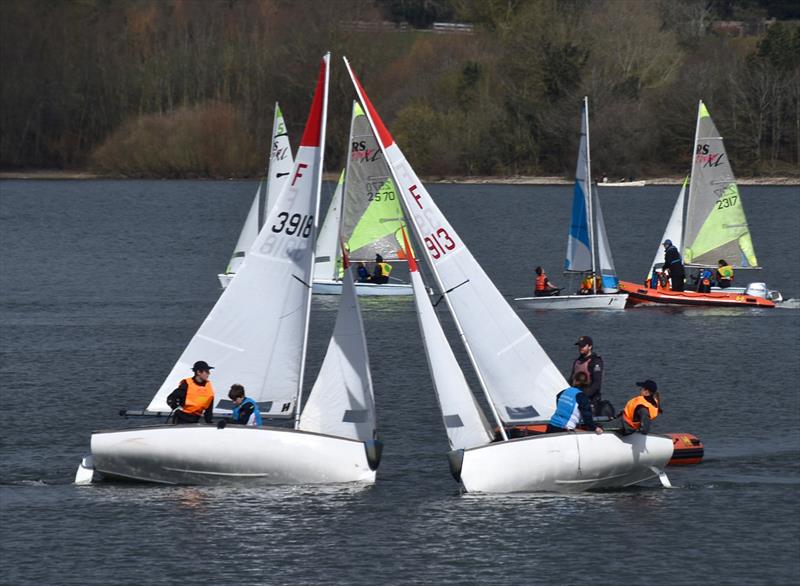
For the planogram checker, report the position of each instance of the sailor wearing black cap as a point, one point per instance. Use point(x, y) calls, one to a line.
point(673, 264)
point(591, 365)
point(194, 396)
point(640, 411)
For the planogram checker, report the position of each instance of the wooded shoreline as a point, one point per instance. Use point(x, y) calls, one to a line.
point(57, 174)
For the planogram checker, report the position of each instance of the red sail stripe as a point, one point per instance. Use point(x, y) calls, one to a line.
point(313, 131)
point(383, 134)
point(412, 263)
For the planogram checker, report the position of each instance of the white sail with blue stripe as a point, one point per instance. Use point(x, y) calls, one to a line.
point(579, 241)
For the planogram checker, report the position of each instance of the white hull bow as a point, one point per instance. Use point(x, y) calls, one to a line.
point(203, 454)
point(563, 462)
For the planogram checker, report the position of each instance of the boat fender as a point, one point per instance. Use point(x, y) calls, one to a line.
point(456, 459)
point(374, 449)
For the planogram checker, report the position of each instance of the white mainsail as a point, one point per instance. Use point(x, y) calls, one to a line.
point(464, 421)
point(673, 231)
point(519, 378)
point(326, 265)
point(342, 402)
point(255, 334)
point(716, 226)
point(278, 168)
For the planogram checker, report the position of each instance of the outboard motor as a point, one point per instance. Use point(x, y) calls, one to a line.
point(757, 290)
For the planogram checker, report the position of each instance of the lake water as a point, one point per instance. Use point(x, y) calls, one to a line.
point(102, 283)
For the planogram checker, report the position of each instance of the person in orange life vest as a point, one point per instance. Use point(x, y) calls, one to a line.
point(591, 365)
point(194, 396)
point(724, 274)
point(544, 288)
point(572, 408)
point(586, 285)
point(380, 274)
point(640, 411)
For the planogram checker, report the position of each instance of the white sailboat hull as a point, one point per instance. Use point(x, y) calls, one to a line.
point(614, 301)
point(564, 462)
point(331, 287)
point(203, 454)
point(622, 184)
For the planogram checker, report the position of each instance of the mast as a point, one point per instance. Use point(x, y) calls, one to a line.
point(691, 177)
point(589, 193)
point(326, 60)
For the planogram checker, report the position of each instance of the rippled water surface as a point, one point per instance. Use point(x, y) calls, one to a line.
point(102, 283)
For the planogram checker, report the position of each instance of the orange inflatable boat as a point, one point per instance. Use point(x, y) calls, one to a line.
point(639, 294)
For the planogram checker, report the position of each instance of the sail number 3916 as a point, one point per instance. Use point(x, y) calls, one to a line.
point(294, 225)
point(439, 243)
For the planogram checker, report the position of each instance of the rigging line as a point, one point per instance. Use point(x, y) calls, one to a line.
point(450, 290)
point(302, 281)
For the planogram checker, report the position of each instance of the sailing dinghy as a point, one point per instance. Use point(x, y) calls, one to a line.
point(712, 227)
point(365, 213)
point(279, 166)
point(587, 243)
point(518, 379)
point(256, 335)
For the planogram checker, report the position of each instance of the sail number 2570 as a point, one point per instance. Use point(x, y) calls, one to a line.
point(294, 225)
point(439, 243)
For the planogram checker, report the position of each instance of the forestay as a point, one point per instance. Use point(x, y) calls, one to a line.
point(255, 334)
point(372, 218)
point(716, 227)
point(518, 376)
point(326, 264)
point(464, 421)
point(279, 166)
point(341, 402)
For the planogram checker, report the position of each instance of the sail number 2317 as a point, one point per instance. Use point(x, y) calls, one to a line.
point(294, 224)
point(439, 243)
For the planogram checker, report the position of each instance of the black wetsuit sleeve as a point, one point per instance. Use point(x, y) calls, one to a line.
point(644, 418)
point(177, 398)
point(585, 408)
point(244, 414)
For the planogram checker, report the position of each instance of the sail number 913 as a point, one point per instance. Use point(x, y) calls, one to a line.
point(439, 243)
point(294, 225)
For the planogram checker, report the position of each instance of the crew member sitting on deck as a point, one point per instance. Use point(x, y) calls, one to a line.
point(640, 411)
point(362, 273)
point(673, 264)
point(724, 274)
point(194, 396)
point(704, 281)
point(586, 285)
point(245, 410)
point(544, 288)
point(572, 407)
point(380, 274)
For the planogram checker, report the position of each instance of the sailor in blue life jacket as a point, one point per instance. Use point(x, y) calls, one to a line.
point(572, 408)
point(704, 281)
point(673, 264)
point(245, 410)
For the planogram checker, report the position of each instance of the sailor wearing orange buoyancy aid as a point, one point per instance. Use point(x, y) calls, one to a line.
point(544, 288)
point(194, 396)
point(640, 411)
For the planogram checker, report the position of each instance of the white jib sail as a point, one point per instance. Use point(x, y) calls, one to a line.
point(342, 402)
point(673, 231)
point(608, 273)
point(278, 168)
point(281, 161)
point(464, 421)
point(255, 334)
point(326, 263)
point(519, 377)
